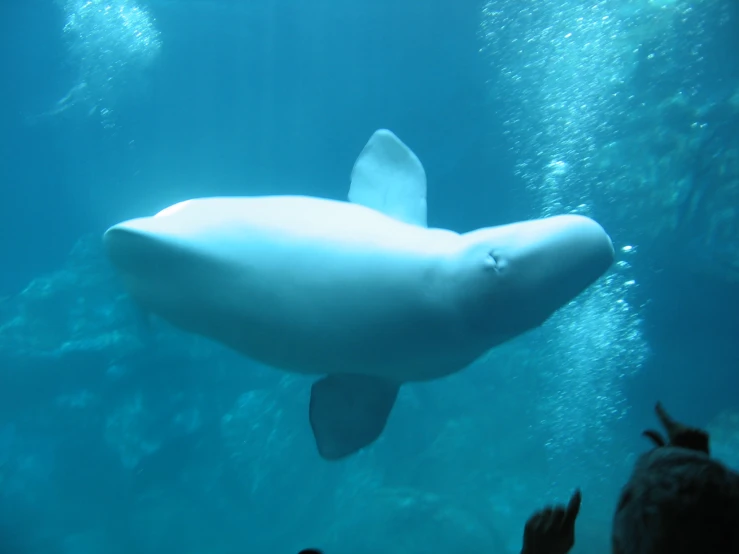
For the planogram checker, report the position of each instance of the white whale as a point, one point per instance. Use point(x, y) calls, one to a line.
point(361, 292)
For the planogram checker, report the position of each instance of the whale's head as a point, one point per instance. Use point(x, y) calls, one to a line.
point(526, 271)
point(159, 259)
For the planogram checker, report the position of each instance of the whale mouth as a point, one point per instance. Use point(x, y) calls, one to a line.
point(134, 250)
point(126, 246)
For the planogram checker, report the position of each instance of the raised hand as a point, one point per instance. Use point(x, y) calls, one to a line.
point(552, 529)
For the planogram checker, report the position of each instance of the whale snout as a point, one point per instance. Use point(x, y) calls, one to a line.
point(155, 265)
point(130, 247)
point(145, 254)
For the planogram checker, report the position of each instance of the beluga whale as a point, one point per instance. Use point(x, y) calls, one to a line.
point(361, 293)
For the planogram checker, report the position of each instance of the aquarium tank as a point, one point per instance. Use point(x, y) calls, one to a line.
point(307, 352)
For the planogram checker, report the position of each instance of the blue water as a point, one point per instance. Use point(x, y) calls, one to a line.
point(122, 436)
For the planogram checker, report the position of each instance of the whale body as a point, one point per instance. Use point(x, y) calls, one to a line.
point(361, 293)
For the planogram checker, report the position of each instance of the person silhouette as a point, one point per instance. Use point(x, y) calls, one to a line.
point(678, 500)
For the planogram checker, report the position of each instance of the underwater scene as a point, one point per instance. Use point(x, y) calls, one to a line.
point(368, 276)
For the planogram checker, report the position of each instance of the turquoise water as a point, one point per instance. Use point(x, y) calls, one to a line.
point(121, 434)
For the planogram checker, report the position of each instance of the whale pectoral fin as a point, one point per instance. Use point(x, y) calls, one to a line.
point(348, 412)
point(389, 177)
